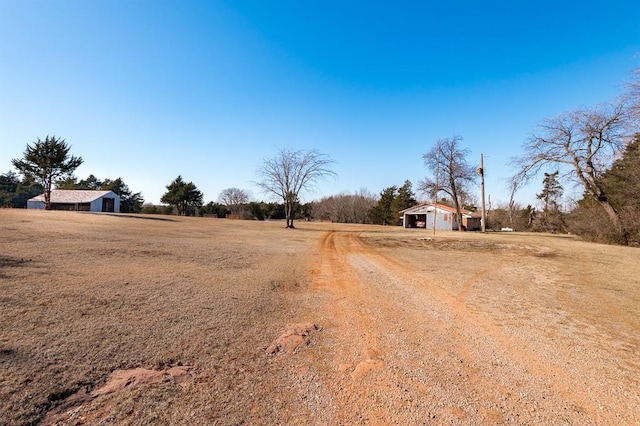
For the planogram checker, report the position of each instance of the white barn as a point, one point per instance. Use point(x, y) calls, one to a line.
point(424, 216)
point(79, 200)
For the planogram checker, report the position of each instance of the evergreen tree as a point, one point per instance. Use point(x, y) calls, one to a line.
point(45, 162)
point(551, 219)
point(68, 183)
point(14, 192)
point(91, 182)
point(130, 202)
point(184, 196)
point(404, 199)
point(214, 209)
point(391, 202)
point(622, 186)
point(382, 213)
point(8, 185)
point(622, 181)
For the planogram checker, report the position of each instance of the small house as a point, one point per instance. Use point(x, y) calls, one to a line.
point(78, 200)
point(444, 218)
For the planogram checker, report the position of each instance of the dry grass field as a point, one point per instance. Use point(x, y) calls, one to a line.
point(137, 320)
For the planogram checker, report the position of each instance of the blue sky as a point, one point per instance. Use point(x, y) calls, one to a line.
point(149, 90)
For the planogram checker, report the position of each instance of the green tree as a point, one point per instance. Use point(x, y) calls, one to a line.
point(404, 199)
point(289, 173)
point(8, 186)
point(184, 196)
point(275, 211)
point(15, 193)
point(622, 185)
point(215, 209)
point(383, 212)
point(27, 188)
point(46, 162)
point(91, 182)
point(551, 219)
point(68, 183)
point(622, 181)
point(130, 202)
point(257, 210)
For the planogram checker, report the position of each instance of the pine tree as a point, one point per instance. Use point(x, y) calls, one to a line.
point(45, 162)
point(184, 196)
point(382, 213)
point(622, 183)
point(551, 219)
point(404, 199)
point(623, 180)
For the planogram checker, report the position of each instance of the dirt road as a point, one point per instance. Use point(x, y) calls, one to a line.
point(400, 345)
point(136, 320)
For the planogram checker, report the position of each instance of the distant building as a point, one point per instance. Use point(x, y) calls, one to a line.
point(79, 200)
point(424, 216)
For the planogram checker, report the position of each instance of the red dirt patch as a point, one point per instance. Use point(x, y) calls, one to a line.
point(365, 367)
point(118, 381)
point(294, 336)
point(121, 379)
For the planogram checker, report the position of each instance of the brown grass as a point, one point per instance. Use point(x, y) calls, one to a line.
point(83, 295)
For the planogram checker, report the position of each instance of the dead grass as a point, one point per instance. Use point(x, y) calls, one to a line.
point(84, 295)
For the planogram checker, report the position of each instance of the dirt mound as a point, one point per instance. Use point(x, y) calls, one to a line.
point(117, 381)
point(121, 379)
point(293, 337)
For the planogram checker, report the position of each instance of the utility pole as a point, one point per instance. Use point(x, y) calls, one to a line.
point(484, 211)
point(435, 204)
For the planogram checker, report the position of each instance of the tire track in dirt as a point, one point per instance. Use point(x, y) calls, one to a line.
point(337, 277)
point(372, 365)
point(401, 347)
point(554, 375)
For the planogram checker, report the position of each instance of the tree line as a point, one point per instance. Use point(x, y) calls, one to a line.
point(586, 217)
point(596, 148)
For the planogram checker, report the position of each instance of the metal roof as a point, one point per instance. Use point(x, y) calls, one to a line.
point(74, 196)
point(428, 207)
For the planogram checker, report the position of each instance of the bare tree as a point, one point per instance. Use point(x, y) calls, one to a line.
point(345, 207)
point(452, 174)
point(234, 199)
point(582, 144)
point(290, 172)
point(363, 203)
point(514, 185)
point(632, 95)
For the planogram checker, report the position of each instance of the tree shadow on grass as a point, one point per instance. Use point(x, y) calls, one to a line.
point(8, 262)
point(130, 216)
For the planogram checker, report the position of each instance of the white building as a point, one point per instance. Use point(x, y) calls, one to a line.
point(424, 216)
point(79, 200)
